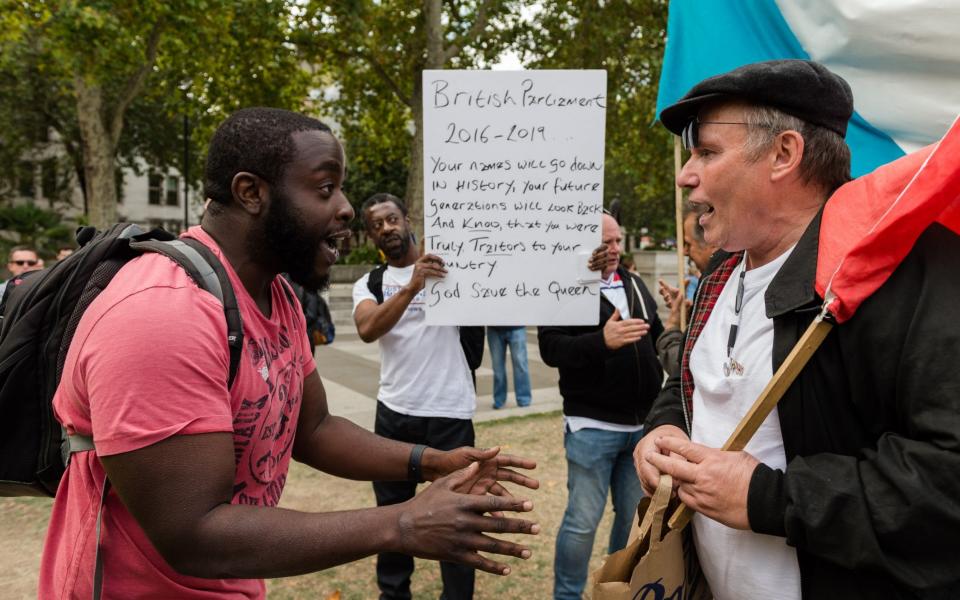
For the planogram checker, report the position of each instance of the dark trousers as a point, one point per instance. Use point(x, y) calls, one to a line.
point(394, 570)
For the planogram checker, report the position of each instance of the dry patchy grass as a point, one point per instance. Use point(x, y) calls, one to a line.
point(537, 436)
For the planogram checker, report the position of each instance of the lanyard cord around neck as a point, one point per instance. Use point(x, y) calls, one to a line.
point(737, 309)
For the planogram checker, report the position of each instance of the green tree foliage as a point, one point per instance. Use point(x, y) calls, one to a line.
point(369, 57)
point(35, 227)
point(627, 39)
point(114, 78)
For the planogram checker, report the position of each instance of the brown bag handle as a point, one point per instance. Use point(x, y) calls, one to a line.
point(652, 524)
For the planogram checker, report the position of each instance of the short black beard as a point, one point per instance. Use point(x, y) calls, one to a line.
point(286, 237)
point(401, 251)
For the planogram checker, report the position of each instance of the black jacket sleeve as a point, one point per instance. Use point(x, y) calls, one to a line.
point(667, 409)
point(571, 347)
point(669, 349)
point(891, 504)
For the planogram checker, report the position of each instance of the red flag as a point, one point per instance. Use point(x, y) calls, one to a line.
point(870, 224)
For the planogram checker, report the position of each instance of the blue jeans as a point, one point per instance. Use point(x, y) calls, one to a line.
point(597, 460)
point(498, 338)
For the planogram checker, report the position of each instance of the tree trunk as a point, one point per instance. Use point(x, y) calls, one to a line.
point(99, 155)
point(415, 170)
point(432, 10)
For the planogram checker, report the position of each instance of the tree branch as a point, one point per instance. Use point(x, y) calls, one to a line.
point(483, 16)
point(365, 55)
point(134, 85)
point(390, 81)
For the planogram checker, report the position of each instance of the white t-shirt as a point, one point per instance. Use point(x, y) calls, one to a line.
point(423, 371)
point(740, 564)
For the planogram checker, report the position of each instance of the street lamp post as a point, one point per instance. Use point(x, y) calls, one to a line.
point(186, 170)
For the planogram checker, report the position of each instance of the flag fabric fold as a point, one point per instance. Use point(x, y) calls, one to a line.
point(870, 224)
point(900, 59)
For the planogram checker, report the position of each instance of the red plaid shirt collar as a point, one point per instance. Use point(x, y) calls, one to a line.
point(706, 298)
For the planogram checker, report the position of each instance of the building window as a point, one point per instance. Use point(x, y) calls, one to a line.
point(118, 180)
point(49, 178)
point(26, 182)
point(154, 187)
point(173, 198)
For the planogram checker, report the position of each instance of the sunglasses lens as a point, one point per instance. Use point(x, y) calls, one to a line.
point(689, 135)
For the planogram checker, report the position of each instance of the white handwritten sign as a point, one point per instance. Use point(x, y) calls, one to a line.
point(513, 195)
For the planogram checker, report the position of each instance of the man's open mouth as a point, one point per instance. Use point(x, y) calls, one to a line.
point(392, 241)
point(704, 210)
point(334, 241)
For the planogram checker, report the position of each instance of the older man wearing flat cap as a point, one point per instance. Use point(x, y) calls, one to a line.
point(850, 488)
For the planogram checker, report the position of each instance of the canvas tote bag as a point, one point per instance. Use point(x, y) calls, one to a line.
point(657, 564)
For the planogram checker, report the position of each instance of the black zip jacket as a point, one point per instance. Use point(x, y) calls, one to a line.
point(616, 386)
point(871, 430)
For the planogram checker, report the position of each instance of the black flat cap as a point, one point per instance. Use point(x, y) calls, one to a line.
point(802, 88)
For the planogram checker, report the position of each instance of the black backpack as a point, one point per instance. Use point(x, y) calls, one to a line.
point(471, 338)
point(40, 312)
point(316, 313)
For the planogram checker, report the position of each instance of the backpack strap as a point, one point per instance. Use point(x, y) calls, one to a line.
point(98, 557)
point(471, 342)
point(375, 282)
point(471, 338)
point(203, 266)
point(287, 286)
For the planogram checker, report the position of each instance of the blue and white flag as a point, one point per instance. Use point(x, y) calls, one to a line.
point(902, 60)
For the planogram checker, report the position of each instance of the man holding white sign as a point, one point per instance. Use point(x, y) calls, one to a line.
point(609, 376)
point(426, 394)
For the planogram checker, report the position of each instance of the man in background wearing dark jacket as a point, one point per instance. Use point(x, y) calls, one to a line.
point(609, 375)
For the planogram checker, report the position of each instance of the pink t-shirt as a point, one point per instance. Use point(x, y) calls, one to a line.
point(150, 360)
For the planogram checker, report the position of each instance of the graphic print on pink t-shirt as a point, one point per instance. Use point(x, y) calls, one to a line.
point(264, 428)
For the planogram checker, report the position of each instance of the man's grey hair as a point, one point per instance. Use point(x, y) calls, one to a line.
point(826, 156)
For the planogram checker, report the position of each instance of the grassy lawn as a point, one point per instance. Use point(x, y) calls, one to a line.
point(538, 436)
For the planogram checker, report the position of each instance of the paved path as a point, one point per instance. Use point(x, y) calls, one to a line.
point(350, 370)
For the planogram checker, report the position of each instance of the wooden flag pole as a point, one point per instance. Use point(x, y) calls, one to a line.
point(782, 379)
point(681, 263)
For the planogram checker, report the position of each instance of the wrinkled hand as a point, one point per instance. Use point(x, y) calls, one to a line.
point(670, 294)
point(493, 468)
point(674, 299)
point(648, 474)
point(598, 260)
point(428, 266)
point(443, 524)
point(618, 333)
point(712, 482)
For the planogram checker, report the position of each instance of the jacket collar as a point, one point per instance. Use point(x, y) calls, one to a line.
point(627, 289)
point(793, 285)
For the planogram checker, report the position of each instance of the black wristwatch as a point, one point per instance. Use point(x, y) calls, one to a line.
point(414, 470)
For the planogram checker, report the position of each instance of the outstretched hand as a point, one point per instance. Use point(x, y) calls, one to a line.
point(617, 333)
point(445, 523)
point(492, 468)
